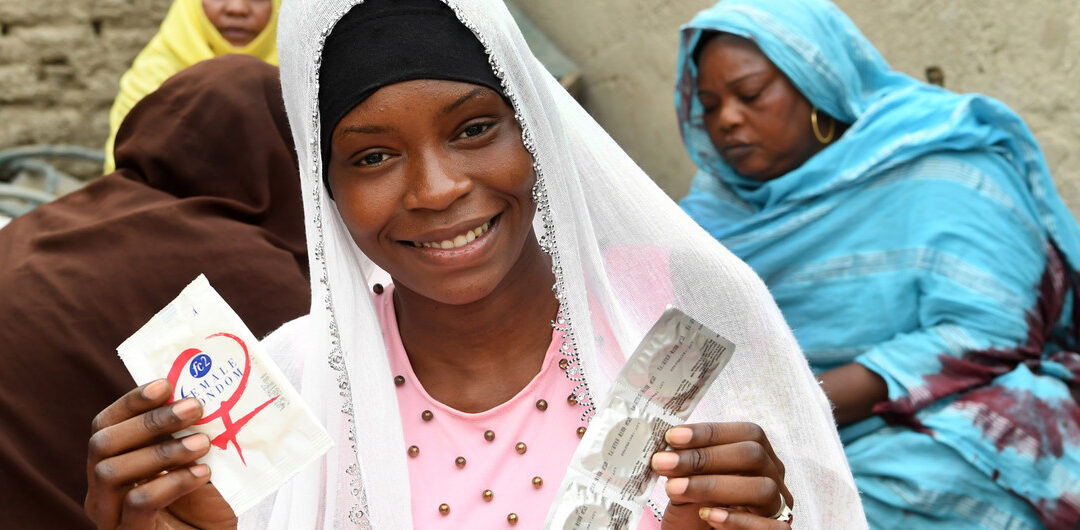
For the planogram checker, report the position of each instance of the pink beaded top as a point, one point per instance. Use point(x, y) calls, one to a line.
point(493, 469)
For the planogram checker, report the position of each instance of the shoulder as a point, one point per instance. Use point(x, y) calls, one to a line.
point(981, 182)
point(979, 172)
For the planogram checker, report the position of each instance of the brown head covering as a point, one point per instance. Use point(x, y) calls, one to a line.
point(206, 183)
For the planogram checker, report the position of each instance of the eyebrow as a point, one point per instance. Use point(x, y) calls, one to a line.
point(365, 129)
point(745, 77)
point(380, 129)
point(739, 79)
point(472, 94)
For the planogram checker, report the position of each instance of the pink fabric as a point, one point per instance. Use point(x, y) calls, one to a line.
point(630, 279)
point(550, 437)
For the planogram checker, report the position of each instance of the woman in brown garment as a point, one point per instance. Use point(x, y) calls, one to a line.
point(206, 182)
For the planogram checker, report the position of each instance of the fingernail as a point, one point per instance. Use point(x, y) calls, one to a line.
point(679, 436)
point(200, 470)
point(665, 461)
point(186, 409)
point(713, 515)
point(155, 390)
point(677, 486)
point(196, 442)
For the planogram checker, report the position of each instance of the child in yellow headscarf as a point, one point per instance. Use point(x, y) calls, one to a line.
point(193, 31)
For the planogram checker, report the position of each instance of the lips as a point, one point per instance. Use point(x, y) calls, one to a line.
point(236, 34)
point(459, 252)
point(457, 241)
point(454, 238)
point(735, 151)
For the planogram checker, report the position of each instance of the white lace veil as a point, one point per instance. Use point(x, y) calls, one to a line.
point(592, 198)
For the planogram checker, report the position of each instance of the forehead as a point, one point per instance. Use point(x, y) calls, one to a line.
point(731, 56)
point(422, 95)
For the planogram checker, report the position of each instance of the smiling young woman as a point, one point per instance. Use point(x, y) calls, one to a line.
point(434, 163)
point(528, 256)
point(433, 182)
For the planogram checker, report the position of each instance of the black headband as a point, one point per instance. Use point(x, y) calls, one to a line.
point(382, 42)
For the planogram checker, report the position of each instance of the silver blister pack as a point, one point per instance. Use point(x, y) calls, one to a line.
point(609, 478)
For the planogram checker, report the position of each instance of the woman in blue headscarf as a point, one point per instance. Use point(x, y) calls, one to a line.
point(916, 244)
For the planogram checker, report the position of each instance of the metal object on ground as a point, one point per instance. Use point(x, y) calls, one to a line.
point(28, 179)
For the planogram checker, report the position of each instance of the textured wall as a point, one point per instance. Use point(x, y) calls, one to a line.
point(1024, 53)
point(60, 61)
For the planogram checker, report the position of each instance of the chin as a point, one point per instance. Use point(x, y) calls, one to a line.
point(456, 292)
point(755, 172)
point(748, 173)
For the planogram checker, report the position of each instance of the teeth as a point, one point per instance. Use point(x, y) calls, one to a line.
point(458, 241)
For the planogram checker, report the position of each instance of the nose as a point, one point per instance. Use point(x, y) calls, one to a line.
point(434, 183)
point(238, 7)
point(731, 116)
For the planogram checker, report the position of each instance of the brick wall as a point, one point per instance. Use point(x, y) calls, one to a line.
point(61, 62)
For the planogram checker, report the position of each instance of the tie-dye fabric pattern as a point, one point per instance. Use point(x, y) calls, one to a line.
point(928, 244)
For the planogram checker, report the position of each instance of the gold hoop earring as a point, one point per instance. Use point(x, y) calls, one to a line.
point(823, 138)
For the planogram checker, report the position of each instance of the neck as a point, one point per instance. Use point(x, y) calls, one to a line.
point(497, 343)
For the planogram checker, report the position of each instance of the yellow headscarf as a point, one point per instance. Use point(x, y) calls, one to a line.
point(186, 37)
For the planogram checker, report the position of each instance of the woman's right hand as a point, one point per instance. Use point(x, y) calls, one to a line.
point(139, 476)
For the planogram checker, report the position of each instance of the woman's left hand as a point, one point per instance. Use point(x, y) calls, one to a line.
point(722, 475)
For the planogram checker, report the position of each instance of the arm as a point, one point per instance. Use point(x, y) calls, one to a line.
point(853, 390)
point(980, 262)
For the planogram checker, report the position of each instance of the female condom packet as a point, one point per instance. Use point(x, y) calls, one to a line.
point(609, 479)
point(261, 431)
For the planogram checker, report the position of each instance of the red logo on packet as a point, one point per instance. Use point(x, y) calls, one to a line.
point(200, 367)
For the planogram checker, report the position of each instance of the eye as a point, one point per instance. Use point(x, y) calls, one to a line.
point(474, 130)
point(749, 98)
point(708, 102)
point(372, 159)
point(751, 93)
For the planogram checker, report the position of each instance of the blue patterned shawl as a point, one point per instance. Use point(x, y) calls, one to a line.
point(927, 243)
